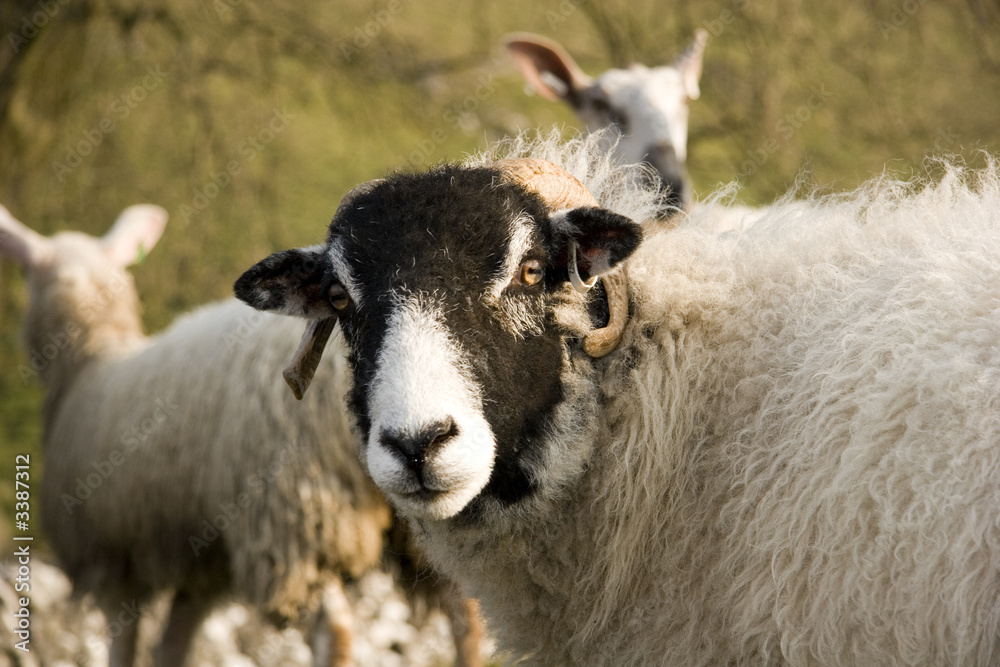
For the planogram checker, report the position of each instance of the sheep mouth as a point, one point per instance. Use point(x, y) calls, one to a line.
point(430, 504)
point(423, 494)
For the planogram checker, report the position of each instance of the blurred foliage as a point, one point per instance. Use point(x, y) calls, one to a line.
point(249, 119)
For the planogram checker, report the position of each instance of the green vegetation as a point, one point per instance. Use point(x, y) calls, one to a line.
point(249, 119)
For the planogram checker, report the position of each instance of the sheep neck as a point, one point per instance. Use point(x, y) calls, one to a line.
point(68, 327)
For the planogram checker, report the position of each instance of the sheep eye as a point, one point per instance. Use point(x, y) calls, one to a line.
point(531, 272)
point(339, 298)
point(614, 116)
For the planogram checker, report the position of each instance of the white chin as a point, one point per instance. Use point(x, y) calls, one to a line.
point(432, 505)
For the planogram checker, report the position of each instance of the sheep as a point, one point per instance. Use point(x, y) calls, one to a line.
point(177, 462)
point(782, 446)
point(646, 107)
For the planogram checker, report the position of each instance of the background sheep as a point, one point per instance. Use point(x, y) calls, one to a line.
point(647, 107)
point(790, 458)
point(178, 462)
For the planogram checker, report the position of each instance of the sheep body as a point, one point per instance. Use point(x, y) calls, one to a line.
point(792, 457)
point(798, 460)
point(267, 531)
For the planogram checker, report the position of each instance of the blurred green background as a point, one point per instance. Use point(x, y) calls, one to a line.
point(249, 119)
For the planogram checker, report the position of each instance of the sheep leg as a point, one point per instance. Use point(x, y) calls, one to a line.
point(187, 611)
point(122, 612)
point(122, 650)
point(466, 627)
point(334, 629)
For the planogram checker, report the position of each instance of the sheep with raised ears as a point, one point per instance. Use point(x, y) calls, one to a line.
point(646, 107)
point(789, 452)
point(181, 462)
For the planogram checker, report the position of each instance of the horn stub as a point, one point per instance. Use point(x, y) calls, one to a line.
point(602, 342)
point(558, 188)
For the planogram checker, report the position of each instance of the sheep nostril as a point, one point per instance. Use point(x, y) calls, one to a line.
point(414, 449)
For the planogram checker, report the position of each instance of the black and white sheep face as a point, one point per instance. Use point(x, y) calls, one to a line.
point(452, 292)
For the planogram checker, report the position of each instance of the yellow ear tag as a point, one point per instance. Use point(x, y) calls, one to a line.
point(140, 257)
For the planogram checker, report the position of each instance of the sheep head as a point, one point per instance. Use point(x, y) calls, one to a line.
point(79, 283)
point(468, 340)
point(647, 106)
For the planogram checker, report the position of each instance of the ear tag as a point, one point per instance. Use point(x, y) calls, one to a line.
point(140, 255)
point(574, 273)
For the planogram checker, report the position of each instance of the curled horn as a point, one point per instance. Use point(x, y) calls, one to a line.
point(559, 190)
point(300, 370)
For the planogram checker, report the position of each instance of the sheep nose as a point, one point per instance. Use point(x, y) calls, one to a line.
point(414, 449)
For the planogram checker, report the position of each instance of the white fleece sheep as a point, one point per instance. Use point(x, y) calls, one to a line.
point(793, 457)
point(799, 456)
point(181, 461)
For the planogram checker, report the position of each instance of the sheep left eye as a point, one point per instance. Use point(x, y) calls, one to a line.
point(531, 272)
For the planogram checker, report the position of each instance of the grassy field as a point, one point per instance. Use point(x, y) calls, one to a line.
point(248, 120)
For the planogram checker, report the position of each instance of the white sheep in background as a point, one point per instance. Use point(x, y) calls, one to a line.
point(647, 107)
point(792, 456)
point(181, 462)
point(640, 116)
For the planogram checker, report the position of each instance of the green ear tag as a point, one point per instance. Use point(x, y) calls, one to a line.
point(141, 255)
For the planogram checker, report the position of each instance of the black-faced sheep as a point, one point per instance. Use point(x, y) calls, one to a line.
point(180, 461)
point(647, 107)
point(792, 456)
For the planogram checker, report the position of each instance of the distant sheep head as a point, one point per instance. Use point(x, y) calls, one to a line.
point(133, 234)
point(648, 106)
point(78, 282)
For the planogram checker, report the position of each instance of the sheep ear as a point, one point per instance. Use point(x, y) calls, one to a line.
point(21, 244)
point(689, 64)
point(289, 282)
point(596, 240)
point(547, 67)
point(134, 234)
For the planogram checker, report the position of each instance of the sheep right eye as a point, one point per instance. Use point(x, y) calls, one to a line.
point(339, 298)
point(614, 116)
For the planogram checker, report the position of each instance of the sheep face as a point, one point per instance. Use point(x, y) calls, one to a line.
point(79, 283)
point(646, 106)
point(451, 289)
